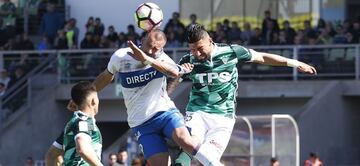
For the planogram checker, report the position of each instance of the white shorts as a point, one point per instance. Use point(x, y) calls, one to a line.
point(212, 129)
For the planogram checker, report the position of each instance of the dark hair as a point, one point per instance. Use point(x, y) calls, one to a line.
point(273, 160)
point(112, 154)
point(80, 91)
point(122, 150)
point(195, 33)
point(312, 154)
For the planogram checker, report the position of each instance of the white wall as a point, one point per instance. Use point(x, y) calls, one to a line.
point(119, 13)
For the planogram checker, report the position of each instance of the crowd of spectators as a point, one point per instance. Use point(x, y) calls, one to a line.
point(57, 33)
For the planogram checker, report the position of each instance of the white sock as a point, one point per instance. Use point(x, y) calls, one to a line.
point(206, 156)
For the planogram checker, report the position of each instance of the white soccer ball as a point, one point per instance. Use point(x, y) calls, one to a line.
point(148, 16)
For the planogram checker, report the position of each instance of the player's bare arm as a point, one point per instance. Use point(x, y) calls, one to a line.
point(85, 150)
point(168, 69)
point(103, 79)
point(173, 82)
point(277, 60)
point(52, 156)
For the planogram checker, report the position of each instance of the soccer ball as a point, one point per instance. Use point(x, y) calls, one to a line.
point(148, 16)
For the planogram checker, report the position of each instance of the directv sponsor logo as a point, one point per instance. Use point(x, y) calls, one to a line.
point(138, 78)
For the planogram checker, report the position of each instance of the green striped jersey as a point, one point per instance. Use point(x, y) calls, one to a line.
point(214, 81)
point(80, 123)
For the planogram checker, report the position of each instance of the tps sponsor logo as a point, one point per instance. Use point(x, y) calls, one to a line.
point(209, 77)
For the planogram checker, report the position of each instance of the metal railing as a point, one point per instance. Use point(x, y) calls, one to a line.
point(21, 93)
point(331, 62)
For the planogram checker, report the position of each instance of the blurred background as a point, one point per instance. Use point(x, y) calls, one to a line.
point(48, 45)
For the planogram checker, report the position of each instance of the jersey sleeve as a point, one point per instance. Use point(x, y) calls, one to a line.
point(185, 59)
point(243, 54)
point(114, 64)
point(58, 143)
point(81, 126)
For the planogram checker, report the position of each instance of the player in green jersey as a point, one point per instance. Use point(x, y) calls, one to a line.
point(82, 141)
point(210, 113)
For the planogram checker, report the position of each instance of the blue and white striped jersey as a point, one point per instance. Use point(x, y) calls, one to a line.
point(144, 88)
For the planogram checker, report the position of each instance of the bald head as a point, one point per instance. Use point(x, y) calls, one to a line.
point(153, 42)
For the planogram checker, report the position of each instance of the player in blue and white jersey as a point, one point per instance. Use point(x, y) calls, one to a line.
point(152, 115)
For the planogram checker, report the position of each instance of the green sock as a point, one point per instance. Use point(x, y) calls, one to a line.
point(183, 159)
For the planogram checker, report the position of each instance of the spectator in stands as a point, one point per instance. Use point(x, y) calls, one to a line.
point(88, 41)
point(274, 162)
point(349, 38)
point(226, 26)
point(330, 28)
point(112, 160)
point(72, 33)
point(308, 30)
point(8, 31)
point(29, 161)
point(177, 26)
point(289, 32)
point(324, 37)
point(265, 24)
point(131, 34)
point(122, 157)
point(347, 26)
point(313, 160)
point(257, 38)
point(104, 42)
point(44, 44)
point(90, 25)
point(247, 33)
point(283, 38)
point(122, 40)
point(99, 27)
point(7, 13)
point(340, 37)
point(269, 33)
point(356, 31)
point(320, 26)
point(51, 22)
point(2, 89)
point(9, 45)
point(112, 34)
point(4, 77)
point(172, 42)
point(25, 43)
point(60, 40)
point(300, 38)
point(234, 33)
point(193, 19)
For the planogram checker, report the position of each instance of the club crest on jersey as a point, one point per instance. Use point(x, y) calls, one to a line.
point(210, 77)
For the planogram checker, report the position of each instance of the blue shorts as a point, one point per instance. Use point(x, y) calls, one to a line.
point(151, 134)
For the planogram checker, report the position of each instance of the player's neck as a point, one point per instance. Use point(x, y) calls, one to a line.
point(88, 112)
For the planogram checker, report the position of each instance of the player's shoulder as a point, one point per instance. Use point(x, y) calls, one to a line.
point(186, 58)
point(121, 53)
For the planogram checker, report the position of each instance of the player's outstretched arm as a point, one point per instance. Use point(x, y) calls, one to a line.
point(52, 156)
point(277, 60)
point(169, 69)
point(103, 79)
point(85, 150)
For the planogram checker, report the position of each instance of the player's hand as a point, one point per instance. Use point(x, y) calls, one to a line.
point(188, 66)
point(72, 106)
point(305, 68)
point(137, 53)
